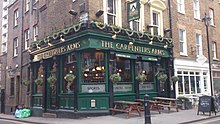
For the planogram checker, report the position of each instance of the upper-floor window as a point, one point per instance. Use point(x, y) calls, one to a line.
point(214, 52)
point(211, 15)
point(198, 44)
point(27, 5)
point(112, 12)
point(35, 31)
point(26, 39)
point(182, 42)
point(16, 15)
point(196, 9)
point(156, 17)
point(134, 25)
point(181, 6)
point(15, 47)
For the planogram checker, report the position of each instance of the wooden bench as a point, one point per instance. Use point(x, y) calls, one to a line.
point(169, 107)
point(167, 103)
point(153, 105)
point(126, 107)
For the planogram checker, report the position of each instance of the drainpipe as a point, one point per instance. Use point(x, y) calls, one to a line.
point(171, 68)
point(22, 39)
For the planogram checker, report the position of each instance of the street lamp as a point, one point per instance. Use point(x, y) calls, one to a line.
point(206, 20)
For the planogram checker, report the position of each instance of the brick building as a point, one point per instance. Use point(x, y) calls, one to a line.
point(191, 63)
point(63, 54)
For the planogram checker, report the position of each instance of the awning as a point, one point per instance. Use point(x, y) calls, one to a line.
point(125, 55)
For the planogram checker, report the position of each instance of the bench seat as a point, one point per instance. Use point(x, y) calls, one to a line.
point(169, 106)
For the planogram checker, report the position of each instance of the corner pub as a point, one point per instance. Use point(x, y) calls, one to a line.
point(90, 54)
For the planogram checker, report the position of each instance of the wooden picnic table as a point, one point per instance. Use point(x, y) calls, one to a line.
point(126, 106)
point(167, 103)
point(153, 104)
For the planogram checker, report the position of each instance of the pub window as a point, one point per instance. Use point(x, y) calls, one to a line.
point(122, 66)
point(12, 87)
point(93, 69)
point(69, 68)
point(145, 68)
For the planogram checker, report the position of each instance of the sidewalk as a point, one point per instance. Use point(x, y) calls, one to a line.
point(173, 117)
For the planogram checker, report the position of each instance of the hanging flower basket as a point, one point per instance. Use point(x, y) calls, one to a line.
point(26, 82)
point(174, 79)
point(162, 77)
point(51, 80)
point(69, 77)
point(141, 77)
point(115, 78)
point(39, 81)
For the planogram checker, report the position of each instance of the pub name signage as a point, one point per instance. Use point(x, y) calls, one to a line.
point(56, 51)
point(133, 48)
point(102, 44)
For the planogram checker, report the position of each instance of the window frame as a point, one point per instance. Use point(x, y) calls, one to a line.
point(26, 39)
point(15, 47)
point(35, 32)
point(16, 16)
point(214, 51)
point(12, 86)
point(198, 45)
point(196, 8)
point(117, 14)
point(27, 5)
point(181, 6)
point(184, 52)
point(212, 16)
point(131, 24)
point(159, 26)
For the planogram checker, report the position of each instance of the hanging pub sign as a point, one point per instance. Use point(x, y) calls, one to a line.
point(133, 10)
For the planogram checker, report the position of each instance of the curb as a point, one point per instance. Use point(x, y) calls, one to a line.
point(25, 121)
point(188, 122)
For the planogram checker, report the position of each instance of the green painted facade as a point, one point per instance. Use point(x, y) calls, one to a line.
point(100, 96)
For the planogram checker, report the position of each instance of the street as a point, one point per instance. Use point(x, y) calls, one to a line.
point(2, 121)
point(208, 121)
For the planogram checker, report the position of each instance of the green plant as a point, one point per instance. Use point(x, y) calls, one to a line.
point(39, 81)
point(69, 77)
point(115, 78)
point(174, 78)
point(26, 82)
point(162, 77)
point(52, 80)
point(141, 77)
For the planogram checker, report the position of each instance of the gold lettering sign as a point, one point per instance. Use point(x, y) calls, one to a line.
point(133, 48)
point(56, 51)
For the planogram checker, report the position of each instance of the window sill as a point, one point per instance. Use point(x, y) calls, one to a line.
point(215, 59)
point(26, 11)
point(184, 54)
point(198, 19)
point(182, 13)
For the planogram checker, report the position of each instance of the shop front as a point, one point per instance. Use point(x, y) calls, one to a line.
point(89, 71)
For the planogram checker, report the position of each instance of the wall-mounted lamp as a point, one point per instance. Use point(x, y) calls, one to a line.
point(114, 36)
point(165, 45)
point(130, 43)
point(99, 13)
point(49, 44)
point(38, 47)
point(151, 42)
point(29, 50)
point(62, 38)
point(73, 12)
point(166, 30)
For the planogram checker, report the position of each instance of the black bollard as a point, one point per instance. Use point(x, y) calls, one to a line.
point(147, 110)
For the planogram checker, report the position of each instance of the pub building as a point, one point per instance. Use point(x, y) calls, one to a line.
point(91, 54)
